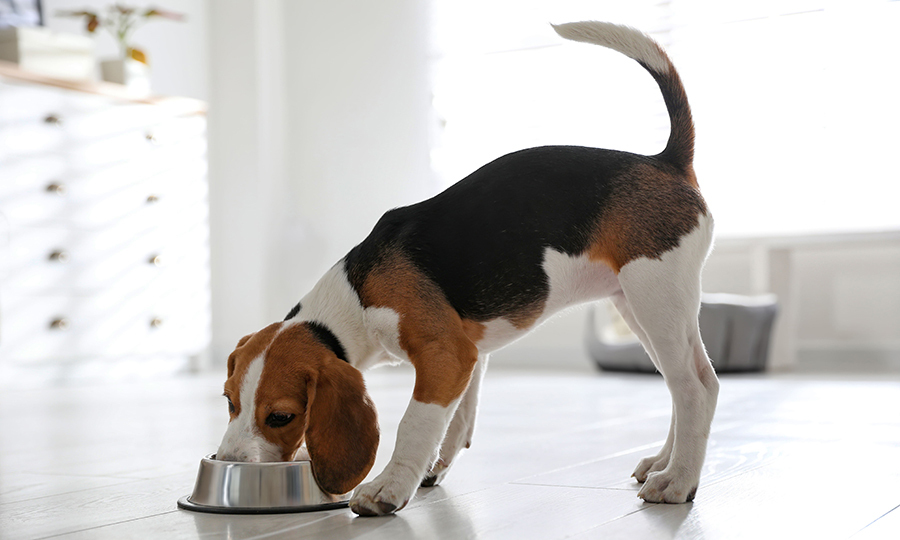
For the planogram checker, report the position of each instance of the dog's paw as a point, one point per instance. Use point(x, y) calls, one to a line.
point(666, 487)
point(649, 465)
point(436, 475)
point(458, 437)
point(384, 495)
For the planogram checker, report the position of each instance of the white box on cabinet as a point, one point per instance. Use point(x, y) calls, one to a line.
point(56, 54)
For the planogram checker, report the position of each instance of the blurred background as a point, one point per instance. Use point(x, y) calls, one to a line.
point(155, 210)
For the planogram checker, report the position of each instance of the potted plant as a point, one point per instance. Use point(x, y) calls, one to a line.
point(131, 67)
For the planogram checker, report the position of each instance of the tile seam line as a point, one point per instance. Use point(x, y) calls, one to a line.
point(876, 520)
point(76, 531)
point(123, 482)
point(632, 450)
point(646, 506)
point(593, 488)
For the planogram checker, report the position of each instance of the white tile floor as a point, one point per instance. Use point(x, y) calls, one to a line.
point(790, 457)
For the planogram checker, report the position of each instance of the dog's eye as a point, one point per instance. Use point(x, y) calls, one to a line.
point(230, 405)
point(279, 419)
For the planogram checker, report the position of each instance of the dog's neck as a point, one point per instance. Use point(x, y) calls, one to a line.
point(334, 304)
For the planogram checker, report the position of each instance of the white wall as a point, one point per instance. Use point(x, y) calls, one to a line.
point(239, 198)
point(359, 118)
point(319, 122)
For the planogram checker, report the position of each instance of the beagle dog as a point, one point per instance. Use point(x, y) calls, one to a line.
point(444, 282)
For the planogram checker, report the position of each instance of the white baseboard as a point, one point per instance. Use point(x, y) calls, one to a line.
point(848, 359)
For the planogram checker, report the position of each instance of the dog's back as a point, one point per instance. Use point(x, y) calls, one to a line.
point(484, 240)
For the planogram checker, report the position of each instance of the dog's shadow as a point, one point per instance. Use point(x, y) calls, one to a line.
point(425, 519)
point(422, 519)
point(673, 520)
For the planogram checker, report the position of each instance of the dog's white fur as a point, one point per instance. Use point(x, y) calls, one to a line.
point(628, 41)
point(242, 440)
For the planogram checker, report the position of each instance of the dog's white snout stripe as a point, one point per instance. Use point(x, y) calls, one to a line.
point(242, 440)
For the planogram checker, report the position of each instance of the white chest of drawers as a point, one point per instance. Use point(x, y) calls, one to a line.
point(104, 255)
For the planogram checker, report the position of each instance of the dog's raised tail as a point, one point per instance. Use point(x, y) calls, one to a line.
point(635, 44)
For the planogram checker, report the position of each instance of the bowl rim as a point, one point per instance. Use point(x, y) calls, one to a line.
point(212, 459)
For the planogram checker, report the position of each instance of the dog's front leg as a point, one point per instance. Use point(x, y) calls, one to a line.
point(462, 427)
point(443, 371)
point(418, 438)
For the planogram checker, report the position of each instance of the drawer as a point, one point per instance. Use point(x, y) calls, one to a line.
point(24, 175)
point(22, 103)
point(32, 191)
point(45, 191)
point(49, 327)
point(107, 197)
point(179, 192)
point(177, 130)
point(151, 150)
point(30, 139)
point(37, 328)
point(90, 118)
point(45, 259)
point(93, 118)
point(92, 130)
point(180, 323)
point(90, 154)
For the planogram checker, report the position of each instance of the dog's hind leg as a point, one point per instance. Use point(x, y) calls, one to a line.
point(663, 296)
point(661, 459)
point(462, 427)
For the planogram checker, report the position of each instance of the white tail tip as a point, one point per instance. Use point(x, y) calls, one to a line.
point(629, 41)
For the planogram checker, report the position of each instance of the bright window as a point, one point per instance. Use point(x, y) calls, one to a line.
point(798, 123)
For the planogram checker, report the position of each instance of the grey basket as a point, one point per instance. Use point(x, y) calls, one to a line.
point(735, 329)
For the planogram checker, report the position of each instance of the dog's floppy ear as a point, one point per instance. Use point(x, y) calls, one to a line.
point(231, 357)
point(342, 435)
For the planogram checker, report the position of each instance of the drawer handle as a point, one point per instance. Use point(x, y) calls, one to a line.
point(53, 119)
point(156, 260)
point(60, 323)
point(152, 199)
point(57, 188)
point(59, 256)
point(156, 322)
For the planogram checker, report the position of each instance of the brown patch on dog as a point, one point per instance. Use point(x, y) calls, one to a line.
point(648, 211)
point(473, 330)
point(439, 343)
point(248, 348)
point(691, 178)
point(332, 411)
point(526, 318)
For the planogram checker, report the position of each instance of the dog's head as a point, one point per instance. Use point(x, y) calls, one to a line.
point(286, 387)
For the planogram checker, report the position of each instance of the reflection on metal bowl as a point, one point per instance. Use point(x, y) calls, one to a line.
point(229, 487)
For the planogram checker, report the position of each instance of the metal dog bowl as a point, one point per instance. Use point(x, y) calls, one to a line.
point(230, 487)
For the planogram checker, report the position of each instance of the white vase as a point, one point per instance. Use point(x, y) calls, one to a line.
point(133, 74)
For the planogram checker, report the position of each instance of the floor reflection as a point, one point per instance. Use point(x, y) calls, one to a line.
point(422, 519)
